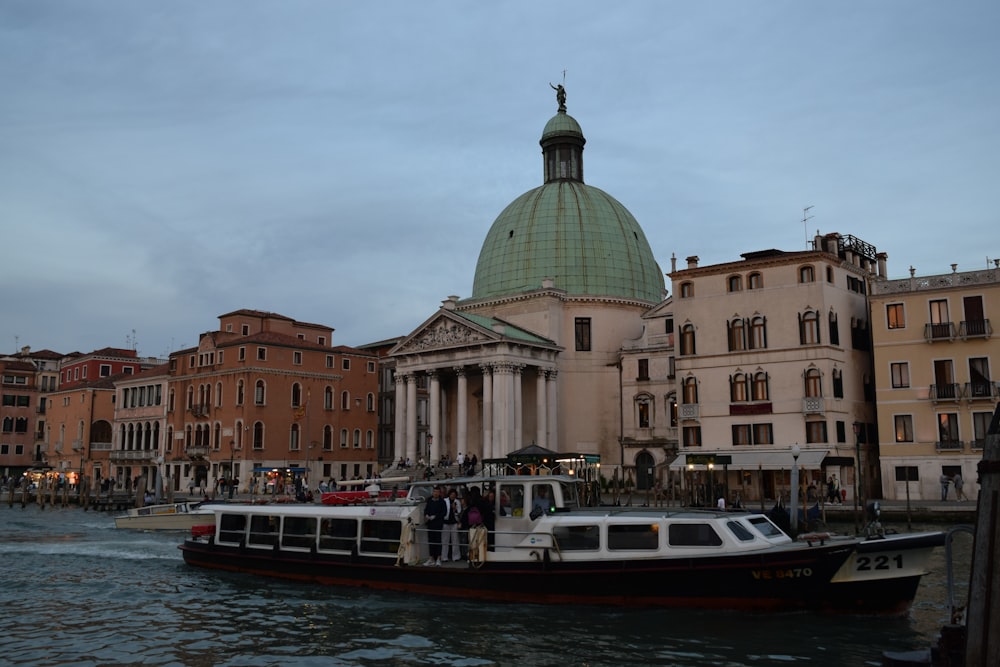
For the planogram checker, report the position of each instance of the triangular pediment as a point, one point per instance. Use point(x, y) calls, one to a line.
point(444, 331)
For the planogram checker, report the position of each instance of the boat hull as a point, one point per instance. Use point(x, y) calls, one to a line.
point(784, 580)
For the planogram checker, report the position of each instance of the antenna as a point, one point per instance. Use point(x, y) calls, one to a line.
point(806, 218)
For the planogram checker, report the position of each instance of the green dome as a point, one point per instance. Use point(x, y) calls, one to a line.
point(577, 235)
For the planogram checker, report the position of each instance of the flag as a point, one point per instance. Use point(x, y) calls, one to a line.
point(299, 413)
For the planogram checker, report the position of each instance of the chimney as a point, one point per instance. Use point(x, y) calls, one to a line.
point(673, 262)
point(692, 262)
point(882, 257)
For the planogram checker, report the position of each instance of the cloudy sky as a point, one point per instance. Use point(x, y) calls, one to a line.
point(162, 163)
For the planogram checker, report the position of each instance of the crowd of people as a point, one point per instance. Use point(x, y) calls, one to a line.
point(449, 518)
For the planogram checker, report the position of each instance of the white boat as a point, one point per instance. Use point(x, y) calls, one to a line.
point(565, 552)
point(169, 516)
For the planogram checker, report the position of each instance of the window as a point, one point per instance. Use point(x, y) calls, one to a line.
point(687, 290)
point(242, 354)
point(642, 408)
point(672, 407)
point(736, 332)
point(738, 389)
point(734, 283)
point(345, 400)
point(760, 387)
point(894, 317)
point(815, 432)
point(980, 385)
point(903, 427)
point(806, 274)
point(838, 383)
point(944, 380)
point(296, 395)
point(239, 393)
point(357, 438)
point(293, 438)
point(577, 538)
point(814, 383)
point(329, 361)
point(742, 434)
point(755, 281)
point(370, 402)
point(258, 393)
point(297, 358)
point(948, 427)
point(809, 328)
point(900, 371)
point(643, 372)
point(758, 333)
point(693, 535)
point(261, 354)
point(328, 398)
point(907, 474)
point(762, 434)
point(258, 435)
point(690, 391)
point(371, 366)
point(692, 436)
point(343, 438)
point(245, 329)
point(980, 425)
point(644, 536)
point(105, 370)
point(345, 364)
point(327, 437)
point(687, 339)
point(582, 334)
point(834, 330)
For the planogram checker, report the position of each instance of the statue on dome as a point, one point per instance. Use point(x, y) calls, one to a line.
point(560, 96)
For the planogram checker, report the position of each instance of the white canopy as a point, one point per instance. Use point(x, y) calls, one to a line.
point(755, 459)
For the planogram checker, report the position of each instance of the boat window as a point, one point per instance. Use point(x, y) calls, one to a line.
point(577, 538)
point(379, 536)
point(766, 528)
point(298, 531)
point(570, 495)
point(338, 534)
point(693, 535)
point(542, 498)
point(232, 528)
point(634, 536)
point(511, 500)
point(740, 531)
point(264, 529)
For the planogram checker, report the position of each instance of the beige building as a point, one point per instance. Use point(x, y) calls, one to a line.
point(773, 352)
point(935, 361)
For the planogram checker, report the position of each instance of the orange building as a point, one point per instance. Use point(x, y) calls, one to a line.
point(266, 398)
point(78, 429)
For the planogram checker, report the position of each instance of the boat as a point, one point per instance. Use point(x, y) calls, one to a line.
point(168, 516)
point(565, 552)
point(365, 490)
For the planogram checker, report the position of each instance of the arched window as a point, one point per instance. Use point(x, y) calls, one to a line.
point(806, 274)
point(758, 332)
point(327, 437)
point(834, 329)
point(343, 438)
point(328, 398)
point(370, 402)
point(296, 395)
point(239, 392)
point(258, 435)
point(736, 332)
point(687, 339)
point(814, 383)
point(190, 397)
point(345, 400)
point(258, 393)
point(760, 386)
point(642, 410)
point(357, 438)
point(672, 408)
point(369, 439)
point(217, 436)
point(293, 438)
point(690, 391)
point(809, 328)
point(755, 281)
point(738, 389)
point(218, 394)
point(734, 283)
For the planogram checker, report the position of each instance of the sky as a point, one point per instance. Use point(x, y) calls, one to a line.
point(340, 163)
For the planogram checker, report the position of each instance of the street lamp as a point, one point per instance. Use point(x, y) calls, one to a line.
point(796, 450)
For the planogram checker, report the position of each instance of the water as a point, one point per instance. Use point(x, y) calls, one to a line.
point(77, 591)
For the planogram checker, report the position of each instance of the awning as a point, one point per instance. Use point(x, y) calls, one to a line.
point(757, 459)
point(277, 469)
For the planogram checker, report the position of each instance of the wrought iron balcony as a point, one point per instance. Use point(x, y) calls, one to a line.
point(951, 391)
point(975, 329)
point(949, 445)
point(983, 389)
point(940, 331)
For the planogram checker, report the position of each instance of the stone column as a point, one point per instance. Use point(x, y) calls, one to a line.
point(399, 446)
point(541, 405)
point(487, 452)
point(553, 411)
point(411, 418)
point(434, 416)
point(461, 402)
point(518, 405)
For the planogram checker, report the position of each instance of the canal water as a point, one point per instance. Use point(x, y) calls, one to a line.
point(76, 591)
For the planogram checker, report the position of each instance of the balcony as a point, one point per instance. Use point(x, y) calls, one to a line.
point(196, 452)
point(977, 445)
point(975, 329)
point(951, 391)
point(981, 390)
point(939, 331)
point(77, 445)
point(200, 410)
point(133, 456)
point(688, 411)
point(813, 405)
point(949, 445)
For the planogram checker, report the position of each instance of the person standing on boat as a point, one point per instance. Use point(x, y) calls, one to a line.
point(434, 512)
point(450, 549)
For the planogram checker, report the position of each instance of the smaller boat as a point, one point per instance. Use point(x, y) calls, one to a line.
point(169, 516)
point(366, 491)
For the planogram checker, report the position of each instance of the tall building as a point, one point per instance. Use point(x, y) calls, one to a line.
point(530, 357)
point(27, 378)
point(935, 372)
point(773, 352)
